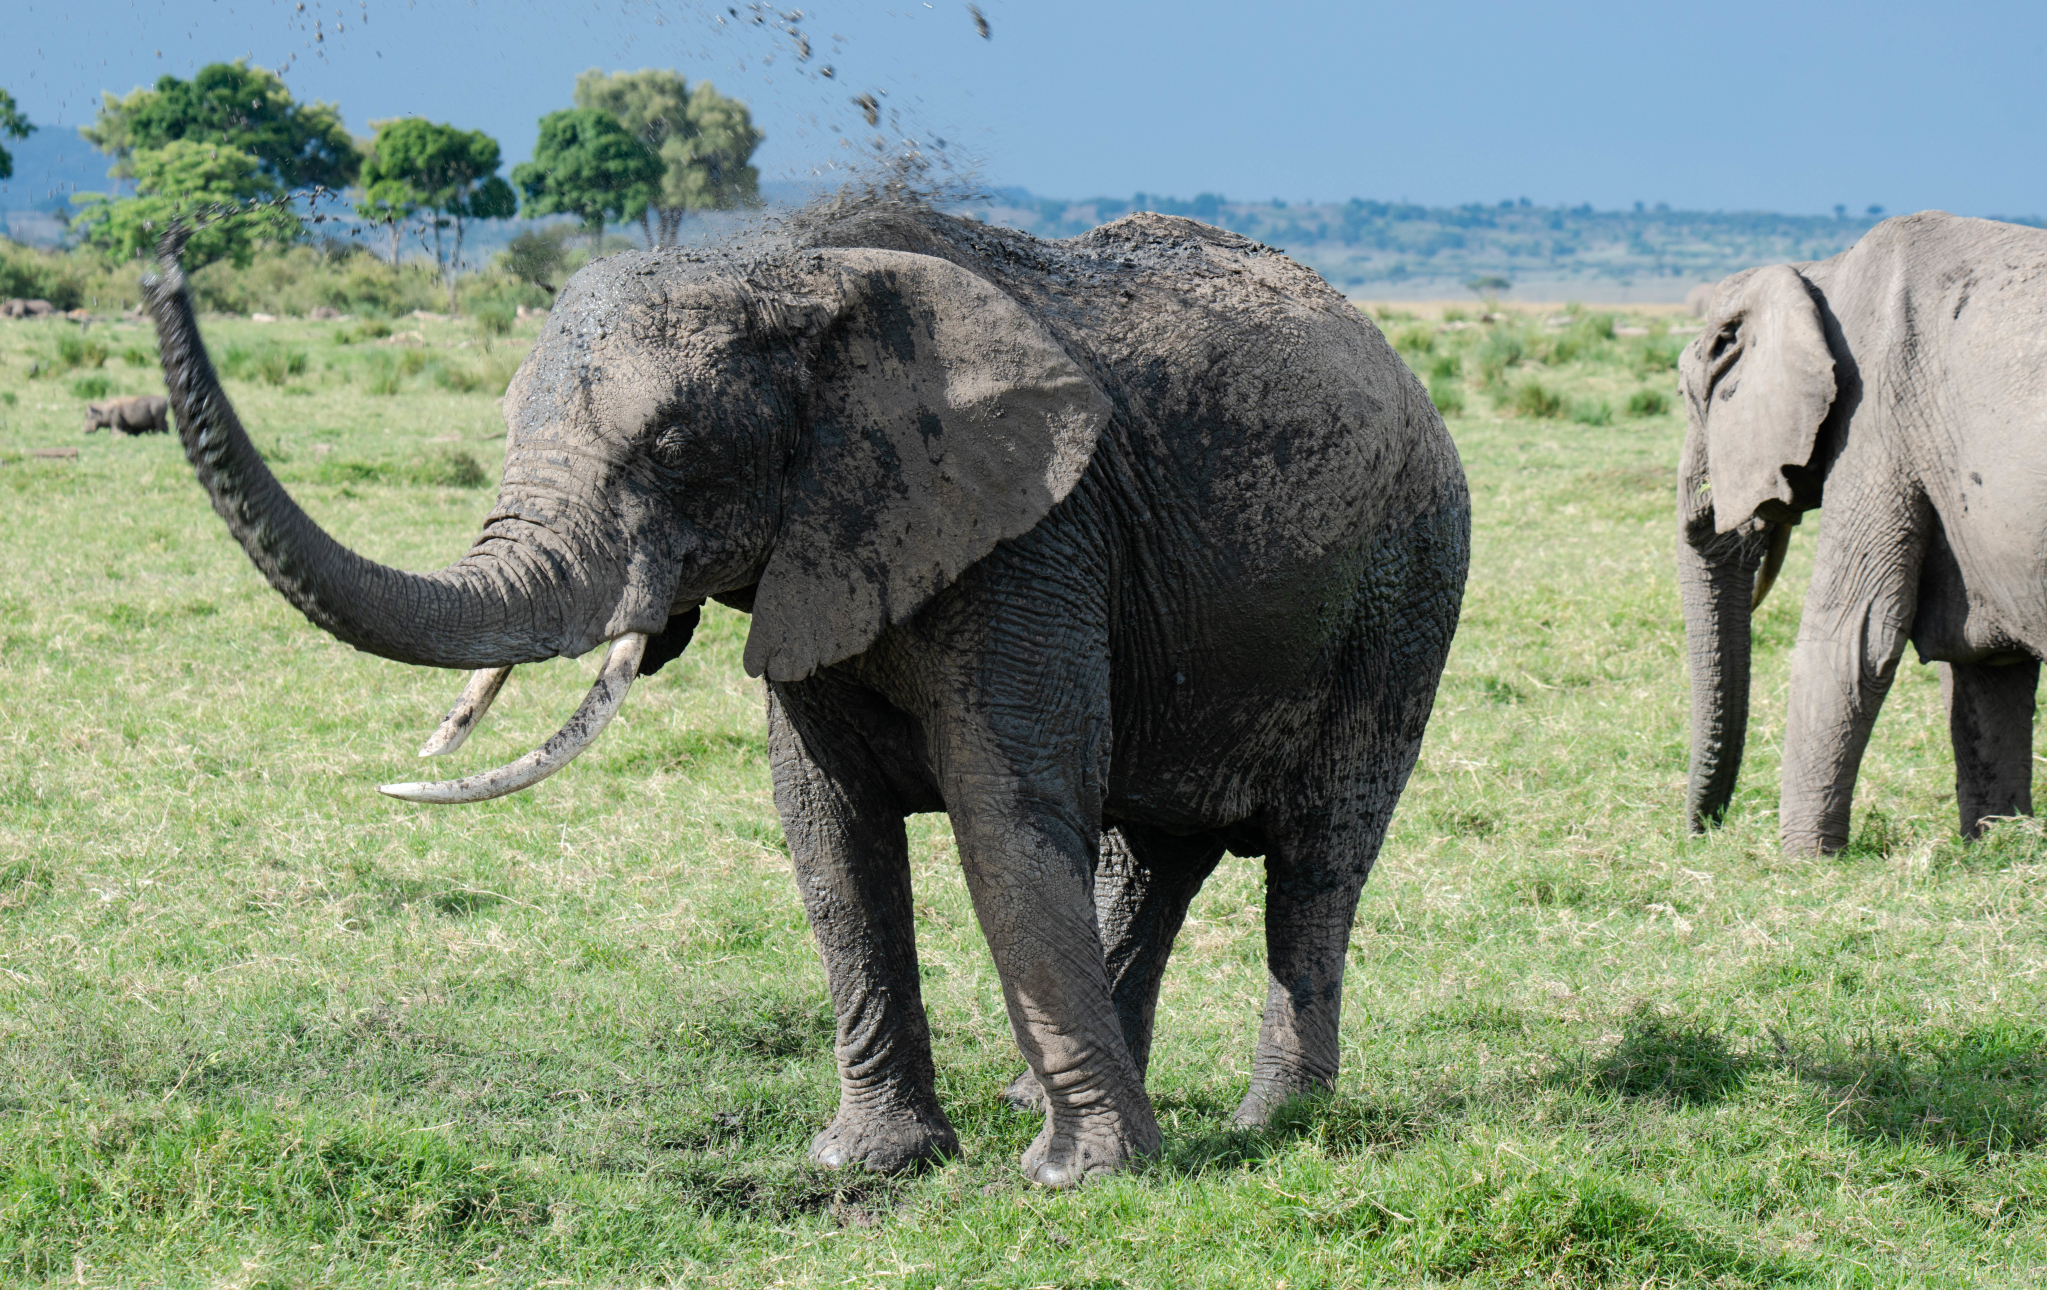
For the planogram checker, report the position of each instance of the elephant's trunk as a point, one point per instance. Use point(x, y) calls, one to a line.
point(524, 592)
point(1718, 585)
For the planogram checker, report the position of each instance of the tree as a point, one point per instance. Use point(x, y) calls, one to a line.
point(704, 140)
point(418, 165)
point(223, 192)
point(13, 125)
point(246, 108)
point(586, 165)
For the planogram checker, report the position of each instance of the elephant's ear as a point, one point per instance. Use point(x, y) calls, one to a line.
point(942, 419)
point(1758, 382)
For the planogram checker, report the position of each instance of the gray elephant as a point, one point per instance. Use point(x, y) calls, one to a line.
point(1126, 549)
point(136, 414)
point(1898, 385)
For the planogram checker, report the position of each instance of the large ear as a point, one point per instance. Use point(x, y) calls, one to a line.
point(942, 418)
point(1758, 382)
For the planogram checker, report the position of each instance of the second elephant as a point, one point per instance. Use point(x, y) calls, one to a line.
point(1897, 385)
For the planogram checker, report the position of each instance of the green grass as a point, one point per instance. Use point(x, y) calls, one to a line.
point(260, 1026)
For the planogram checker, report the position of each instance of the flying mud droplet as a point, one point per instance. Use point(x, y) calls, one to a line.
point(869, 108)
point(980, 20)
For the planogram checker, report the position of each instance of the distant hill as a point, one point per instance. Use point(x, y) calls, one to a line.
point(1400, 251)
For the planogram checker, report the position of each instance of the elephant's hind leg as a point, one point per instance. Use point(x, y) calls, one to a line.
point(1144, 881)
point(1990, 715)
point(846, 839)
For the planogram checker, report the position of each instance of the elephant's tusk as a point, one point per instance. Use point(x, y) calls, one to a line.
point(578, 733)
point(1773, 563)
point(483, 686)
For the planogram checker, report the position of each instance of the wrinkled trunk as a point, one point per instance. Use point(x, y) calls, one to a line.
point(1715, 581)
point(524, 592)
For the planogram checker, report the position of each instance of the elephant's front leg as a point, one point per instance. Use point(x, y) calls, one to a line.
point(845, 832)
point(1144, 881)
point(1990, 715)
point(1858, 614)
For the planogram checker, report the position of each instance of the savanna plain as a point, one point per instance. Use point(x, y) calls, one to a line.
point(262, 1027)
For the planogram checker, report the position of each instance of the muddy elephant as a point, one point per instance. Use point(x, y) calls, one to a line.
point(1897, 387)
point(136, 414)
point(1145, 537)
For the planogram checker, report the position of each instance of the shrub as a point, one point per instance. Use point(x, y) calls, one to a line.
point(1584, 338)
point(1534, 399)
point(77, 351)
point(372, 330)
point(136, 356)
point(1445, 367)
point(1648, 403)
point(1448, 398)
point(1592, 412)
point(91, 387)
point(412, 362)
point(494, 318)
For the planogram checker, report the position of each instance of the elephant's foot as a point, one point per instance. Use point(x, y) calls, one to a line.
point(1025, 1093)
point(1262, 1105)
point(1072, 1147)
point(885, 1142)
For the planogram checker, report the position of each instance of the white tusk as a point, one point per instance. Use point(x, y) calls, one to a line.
point(578, 733)
point(483, 686)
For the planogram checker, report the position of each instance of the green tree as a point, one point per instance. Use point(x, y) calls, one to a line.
point(705, 142)
point(245, 108)
point(586, 165)
point(13, 125)
point(224, 193)
point(417, 165)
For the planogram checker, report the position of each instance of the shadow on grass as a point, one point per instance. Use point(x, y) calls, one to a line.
point(1667, 1060)
point(1339, 1124)
point(1980, 1091)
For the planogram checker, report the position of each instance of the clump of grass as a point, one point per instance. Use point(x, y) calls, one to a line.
point(1456, 315)
point(1648, 403)
point(1532, 398)
point(1447, 396)
point(8, 398)
point(449, 468)
point(136, 356)
point(459, 379)
point(77, 351)
point(1592, 412)
point(372, 329)
point(91, 387)
point(1583, 339)
point(1501, 349)
point(1446, 367)
point(1415, 340)
point(276, 366)
point(1658, 355)
point(383, 376)
point(494, 319)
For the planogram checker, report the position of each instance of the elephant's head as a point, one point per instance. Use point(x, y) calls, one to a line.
point(1758, 384)
point(840, 432)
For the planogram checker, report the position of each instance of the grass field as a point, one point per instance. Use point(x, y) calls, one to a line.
point(261, 1027)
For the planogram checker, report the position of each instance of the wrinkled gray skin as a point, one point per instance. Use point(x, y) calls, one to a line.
point(137, 414)
point(1899, 385)
point(1127, 549)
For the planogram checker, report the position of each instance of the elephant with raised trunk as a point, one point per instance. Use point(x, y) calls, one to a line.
point(1897, 385)
point(1121, 551)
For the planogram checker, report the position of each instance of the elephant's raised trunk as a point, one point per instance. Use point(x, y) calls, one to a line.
point(1718, 584)
point(508, 601)
point(550, 575)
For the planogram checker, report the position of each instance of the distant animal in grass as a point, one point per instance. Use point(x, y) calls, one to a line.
point(26, 308)
point(136, 414)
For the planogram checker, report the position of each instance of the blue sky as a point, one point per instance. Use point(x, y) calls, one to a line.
point(1789, 106)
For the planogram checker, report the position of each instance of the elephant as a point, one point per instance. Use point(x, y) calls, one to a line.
point(136, 414)
point(1896, 385)
point(1121, 551)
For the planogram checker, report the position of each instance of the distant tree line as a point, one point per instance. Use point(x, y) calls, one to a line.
point(230, 152)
